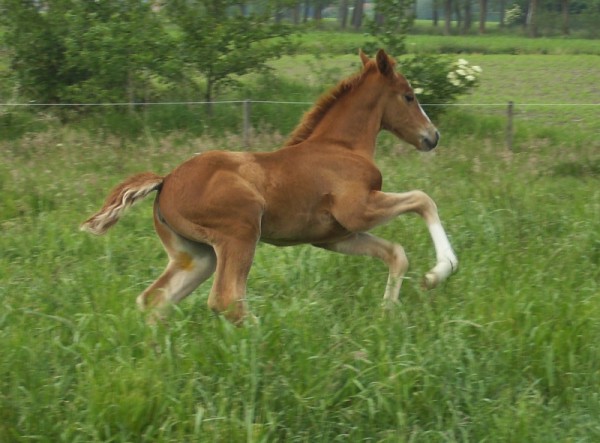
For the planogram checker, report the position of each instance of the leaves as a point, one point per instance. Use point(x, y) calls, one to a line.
point(117, 51)
point(222, 46)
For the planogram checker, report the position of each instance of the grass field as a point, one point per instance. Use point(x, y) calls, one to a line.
point(506, 350)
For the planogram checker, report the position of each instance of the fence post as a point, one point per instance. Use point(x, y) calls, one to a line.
point(246, 120)
point(509, 126)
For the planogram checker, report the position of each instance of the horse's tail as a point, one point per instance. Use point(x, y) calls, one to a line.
point(122, 197)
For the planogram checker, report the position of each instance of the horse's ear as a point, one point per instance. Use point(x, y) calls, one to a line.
point(384, 63)
point(363, 57)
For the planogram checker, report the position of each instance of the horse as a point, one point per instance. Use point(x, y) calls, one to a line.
point(320, 188)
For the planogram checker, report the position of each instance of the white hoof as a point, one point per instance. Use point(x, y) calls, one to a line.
point(441, 271)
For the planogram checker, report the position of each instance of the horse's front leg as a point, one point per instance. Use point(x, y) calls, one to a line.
point(391, 254)
point(380, 207)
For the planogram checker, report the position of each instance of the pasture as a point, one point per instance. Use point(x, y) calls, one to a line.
point(506, 350)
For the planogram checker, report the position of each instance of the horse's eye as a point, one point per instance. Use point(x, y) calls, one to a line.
point(409, 98)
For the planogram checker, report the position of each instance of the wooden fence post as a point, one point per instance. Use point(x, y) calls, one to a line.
point(246, 120)
point(509, 126)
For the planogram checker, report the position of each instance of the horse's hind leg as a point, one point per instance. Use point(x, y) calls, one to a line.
point(392, 254)
point(190, 264)
point(228, 294)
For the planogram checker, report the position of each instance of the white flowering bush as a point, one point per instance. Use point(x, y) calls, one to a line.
point(464, 75)
point(438, 80)
point(514, 15)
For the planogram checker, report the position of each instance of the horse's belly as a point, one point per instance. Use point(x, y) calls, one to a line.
point(286, 231)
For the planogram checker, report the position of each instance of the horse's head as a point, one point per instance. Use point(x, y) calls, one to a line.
point(402, 113)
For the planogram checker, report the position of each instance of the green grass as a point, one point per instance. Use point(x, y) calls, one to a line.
point(506, 350)
point(333, 42)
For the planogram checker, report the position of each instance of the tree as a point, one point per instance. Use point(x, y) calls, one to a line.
point(343, 14)
point(502, 10)
point(394, 19)
point(468, 17)
point(447, 16)
point(434, 12)
point(357, 14)
point(121, 45)
point(36, 49)
point(482, 15)
point(220, 46)
point(531, 21)
point(67, 51)
point(565, 17)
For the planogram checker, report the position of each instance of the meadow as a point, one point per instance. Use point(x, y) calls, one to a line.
point(505, 351)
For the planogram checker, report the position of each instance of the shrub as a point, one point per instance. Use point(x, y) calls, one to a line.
point(439, 80)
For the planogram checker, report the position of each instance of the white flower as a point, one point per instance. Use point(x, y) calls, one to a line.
point(461, 72)
point(418, 91)
point(470, 78)
point(462, 62)
point(477, 69)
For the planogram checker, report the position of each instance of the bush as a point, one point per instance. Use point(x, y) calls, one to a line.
point(438, 80)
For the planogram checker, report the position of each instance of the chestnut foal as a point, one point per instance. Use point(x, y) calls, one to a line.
point(322, 187)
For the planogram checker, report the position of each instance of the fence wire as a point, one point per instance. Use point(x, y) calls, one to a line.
point(275, 102)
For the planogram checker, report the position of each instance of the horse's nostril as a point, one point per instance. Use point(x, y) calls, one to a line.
point(431, 143)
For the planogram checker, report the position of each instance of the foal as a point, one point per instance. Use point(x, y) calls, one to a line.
point(322, 187)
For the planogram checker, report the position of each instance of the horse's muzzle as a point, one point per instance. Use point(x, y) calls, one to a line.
point(430, 141)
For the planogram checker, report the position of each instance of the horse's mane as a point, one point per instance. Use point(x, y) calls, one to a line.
point(313, 116)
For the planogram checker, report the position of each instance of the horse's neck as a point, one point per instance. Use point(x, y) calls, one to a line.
point(353, 121)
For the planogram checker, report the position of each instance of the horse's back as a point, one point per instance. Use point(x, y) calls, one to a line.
point(285, 196)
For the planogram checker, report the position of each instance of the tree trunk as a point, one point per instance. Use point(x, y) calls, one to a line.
point(435, 15)
point(565, 17)
point(343, 17)
point(357, 14)
point(296, 13)
point(306, 11)
point(447, 16)
point(278, 12)
point(208, 97)
point(468, 17)
point(130, 92)
point(531, 18)
point(458, 15)
point(502, 13)
point(482, 15)
point(318, 12)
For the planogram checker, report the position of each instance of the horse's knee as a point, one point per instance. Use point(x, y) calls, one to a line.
point(399, 260)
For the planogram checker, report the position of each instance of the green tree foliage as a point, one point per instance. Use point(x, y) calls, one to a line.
point(393, 19)
point(118, 47)
point(69, 51)
point(220, 42)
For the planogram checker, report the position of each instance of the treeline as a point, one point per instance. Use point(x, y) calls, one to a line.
point(70, 51)
point(535, 17)
point(138, 51)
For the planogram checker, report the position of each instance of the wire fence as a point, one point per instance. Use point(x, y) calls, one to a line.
point(277, 102)
point(246, 109)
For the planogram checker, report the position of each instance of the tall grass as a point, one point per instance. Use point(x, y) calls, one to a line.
point(505, 351)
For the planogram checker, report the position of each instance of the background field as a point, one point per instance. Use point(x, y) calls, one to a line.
point(506, 350)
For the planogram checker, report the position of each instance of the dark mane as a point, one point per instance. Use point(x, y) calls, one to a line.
point(312, 117)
